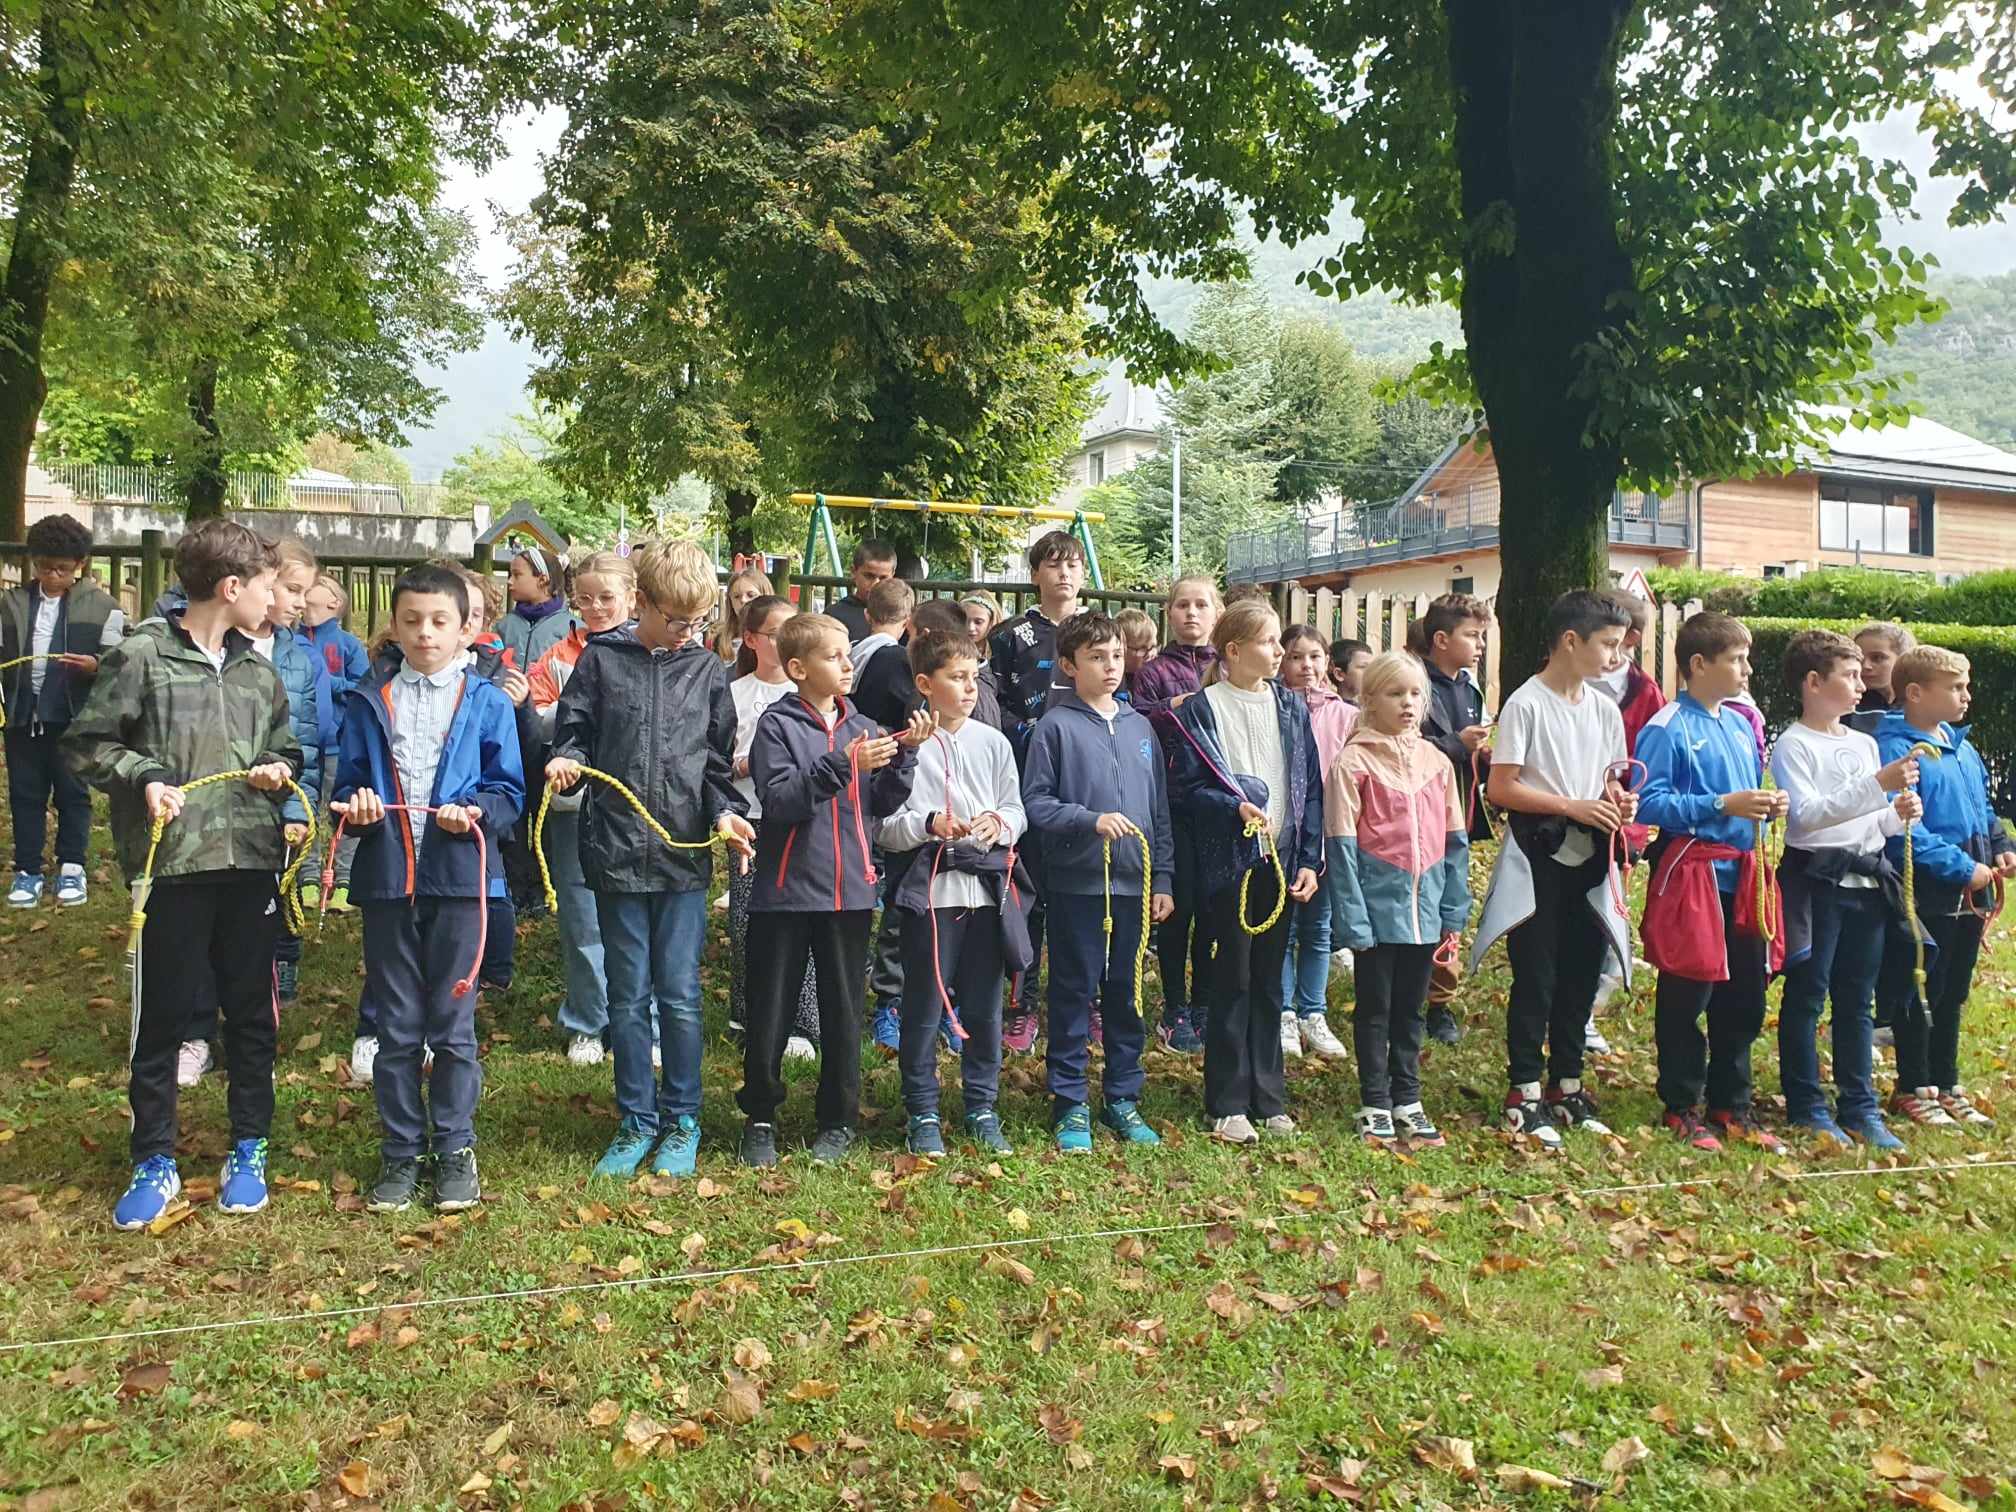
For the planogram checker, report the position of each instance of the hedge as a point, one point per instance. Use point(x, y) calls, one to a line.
point(1986, 598)
point(1989, 649)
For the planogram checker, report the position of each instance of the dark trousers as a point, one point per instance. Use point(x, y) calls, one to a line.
point(1086, 967)
point(414, 953)
point(1242, 1039)
point(778, 945)
point(1848, 925)
point(885, 974)
point(968, 960)
point(205, 942)
point(1556, 956)
point(500, 946)
point(1717, 1063)
point(1392, 983)
point(35, 773)
point(1182, 938)
point(1928, 1039)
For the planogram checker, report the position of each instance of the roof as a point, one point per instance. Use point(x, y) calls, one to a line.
point(1123, 406)
point(1918, 451)
point(521, 519)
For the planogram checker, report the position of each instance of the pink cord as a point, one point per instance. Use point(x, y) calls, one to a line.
point(468, 983)
point(937, 969)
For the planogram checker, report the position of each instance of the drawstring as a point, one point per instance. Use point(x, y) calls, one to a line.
point(539, 831)
point(290, 902)
point(467, 984)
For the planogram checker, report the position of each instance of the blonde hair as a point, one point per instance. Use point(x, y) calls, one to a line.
point(986, 601)
point(1210, 586)
point(676, 576)
point(1896, 637)
point(730, 629)
point(1135, 626)
point(335, 590)
point(608, 564)
point(801, 634)
point(1923, 665)
point(1388, 667)
point(294, 553)
point(1242, 620)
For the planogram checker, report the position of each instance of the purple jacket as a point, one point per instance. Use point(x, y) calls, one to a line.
point(813, 851)
point(1169, 673)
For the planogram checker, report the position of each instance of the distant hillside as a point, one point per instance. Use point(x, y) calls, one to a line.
point(1966, 363)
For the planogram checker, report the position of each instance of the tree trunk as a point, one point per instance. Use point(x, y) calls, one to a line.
point(34, 255)
point(204, 482)
point(1545, 279)
point(741, 506)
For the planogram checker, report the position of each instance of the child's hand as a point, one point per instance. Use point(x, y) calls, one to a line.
point(294, 834)
point(515, 687)
point(2005, 863)
point(1627, 804)
point(456, 818)
point(364, 807)
point(271, 777)
point(1180, 699)
point(1908, 805)
point(1160, 907)
point(1752, 803)
point(1594, 813)
point(1304, 886)
point(987, 830)
point(741, 839)
point(1253, 815)
point(741, 766)
point(1114, 826)
point(1450, 937)
point(871, 753)
point(164, 800)
point(1900, 774)
point(1781, 805)
point(923, 725)
point(949, 826)
point(562, 773)
point(88, 665)
point(1983, 877)
point(1473, 736)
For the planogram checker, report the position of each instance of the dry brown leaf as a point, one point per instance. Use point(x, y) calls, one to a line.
point(1178, 1467)
point(355, 1478)
point(239, 1428)
point(1453, 1456)
point(801, 1442)
point(741, 1400)
point(1603, 1376)
point(1891, 1464)
point(143, 1380)
point(691, 1246)
point(1059, 1426)
point(363, 1335)
point(1625, 1455)
point(812, 1391)
point(175, 1213)
point(751, 1354)
point(494, 1445)
point(1525, 1478)
point(1428, 1323)
point(1008, 1268)
point(477, 1481)
point(640, 1431)
point(603, 1413)
point(406, 1338)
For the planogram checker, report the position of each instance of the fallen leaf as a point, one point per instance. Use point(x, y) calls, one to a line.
point(494, 1445)
point(239, 1428)
point(691, 1246)
point(1602, 1376)
point(751, 1354)
point(355, 1478)
point(812, 1391)
point(476, 1482)
point(306, 1043)
point(1018, 1220)
point(1178, 1467)
point(793, 1228)
point(406, 1338)
point(641, 1432)
point(1625, 1455)
point(1453, 1456)
point(1008, 1269)
point(1428, 1323)
point(1059, 1426)
point(1891, 1464)
point(801, 1442)
point(603, 1413)
point(363, 1335)
point(143, 1380)
point(1525, 1478)
point(173, 1214)
point(741, 1400)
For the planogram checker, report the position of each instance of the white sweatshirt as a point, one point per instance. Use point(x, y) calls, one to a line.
point(1836, 803)
point(983, 781)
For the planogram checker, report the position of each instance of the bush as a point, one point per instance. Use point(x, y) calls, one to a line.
point(1683, 585)
point(1859, 593)
point(1987, 598)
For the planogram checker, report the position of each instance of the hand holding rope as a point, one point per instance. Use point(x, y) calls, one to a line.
point(1258, 826)
point(1767, 868)
point(22, 661)
point(1477, 754)
point(467, 984)
point(1147, 904)
point(1620, 786)
point(169, 810)
point(1922, 748)
point(561, 781)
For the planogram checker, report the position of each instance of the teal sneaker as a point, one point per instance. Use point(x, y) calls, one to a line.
point(924, 1136)
point(1074, 1130)
point(241, 1187)
point(984, 1129)
point(627, 1151)
point(679, 1151)
point(1124, 1119)
point(155, 1183)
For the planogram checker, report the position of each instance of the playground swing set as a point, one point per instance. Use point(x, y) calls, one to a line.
point(819, 528)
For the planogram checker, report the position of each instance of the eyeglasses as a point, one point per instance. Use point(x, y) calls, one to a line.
point(679, 627)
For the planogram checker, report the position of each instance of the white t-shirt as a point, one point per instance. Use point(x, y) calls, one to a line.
point(1250, 727)
point(1562, 748)
point(752, 696)
point(1836, 802)
point(263, 645)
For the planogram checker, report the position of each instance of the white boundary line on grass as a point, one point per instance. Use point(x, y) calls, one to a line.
point(834, 1262)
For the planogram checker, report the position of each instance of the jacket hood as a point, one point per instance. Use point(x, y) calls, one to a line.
point(1397, 754)
point(1948, 738)
point(1064, 698)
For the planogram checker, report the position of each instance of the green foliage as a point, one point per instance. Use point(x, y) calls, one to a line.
point(1860, 593)
point(511, 468)
point(369, 463)
point(1322, 394)
point(1964, 364)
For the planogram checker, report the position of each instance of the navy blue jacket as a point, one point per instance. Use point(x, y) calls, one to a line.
point(815, 847)
point(479, 766)
point(1958, 831)
point(1081, 765)
point(1207, 792)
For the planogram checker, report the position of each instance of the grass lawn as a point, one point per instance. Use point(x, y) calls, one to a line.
point(1332, 1325)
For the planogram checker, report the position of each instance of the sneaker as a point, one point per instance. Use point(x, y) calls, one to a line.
point(1527, 1113)
point(1743, 1128)
point(627, 1151)
point(759, 1145)
point(339, 900)
point(241, 1186)
point(984, 1129)
point(363, 1058)
point(1960, 1110)
point(888, 1032)
point(1876, 1134)
point(924, 1136)
point(26, 893)
point(582, 1050)
point(71, 888)
point(1073, 1128)
point(287, 980)
point(1608, 985)
point(1884, 1037)
point(830, 1144)
point(1442, 1026)
point(1098, 1028)
point(1179, 1032)
point(1238, 1130)
point(1573, 1108)
point(154, 1185)
point(1280, 1126)
point(800, 1048)
point(679, 1151)
point(1018, 1033)
point(1417, 1128)
point(1125, 1119)
point(657, 1056)
point(1689, 1130)
point(1593, 1042)
point(1922, 1107)
point(191, 1061)
point(456, 1185)
point(311, 894)
point(393, 1191)
point(1375, 1127)
point(1291, 1036)
point(1822, 1127)
point(1317, 1035)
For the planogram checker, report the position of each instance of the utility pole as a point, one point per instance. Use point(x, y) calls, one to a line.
point(1175, 503)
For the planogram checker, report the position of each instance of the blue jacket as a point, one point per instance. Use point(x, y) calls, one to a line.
point(1958, 830)
point(479, 765)
point(814, 849)
point(342, 655)
point(307, 697)
point(1081, 765)
point(1692, 758)
point(1206, 793)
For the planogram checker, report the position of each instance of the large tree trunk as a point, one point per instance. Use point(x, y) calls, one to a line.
point(1544, 277)
point(204, 480)
point(741, 507)
point(33, 258)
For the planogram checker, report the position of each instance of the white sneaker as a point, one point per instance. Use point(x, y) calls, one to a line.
point(1291, 1036)
point(1608, 985)
point(1238, 1129)
point(1593, 1042)
point(657, 1059)
point(584, 1050)
point(1961, 1110)
point(1341, 964)
point(363, 1056)
point(1280, 1124)
point(1317, 1035)
point(800, 1048)
point(191, 1061)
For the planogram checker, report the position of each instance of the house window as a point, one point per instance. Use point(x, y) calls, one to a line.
point(1874, 519)
point(1095, 468)
point(1463, 585)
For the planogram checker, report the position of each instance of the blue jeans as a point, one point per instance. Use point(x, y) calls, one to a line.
point(1848, 926)
point(1084, 970)
point(1305, 970)
point(586, 1010)
point(651, 947)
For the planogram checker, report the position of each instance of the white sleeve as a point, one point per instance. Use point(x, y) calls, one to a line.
point(1511, 742)
point(1817, 805)
point(1007, 795)
point(910, 826)
point(115, 630)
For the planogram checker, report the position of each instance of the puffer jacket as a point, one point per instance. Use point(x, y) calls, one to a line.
point(1399, 856)
point(162, 711)
point(664, 725)
point(1205, 791)
point(814, 853)
point(307, 685)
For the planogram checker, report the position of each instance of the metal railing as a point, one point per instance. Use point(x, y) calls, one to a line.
point(162, 488)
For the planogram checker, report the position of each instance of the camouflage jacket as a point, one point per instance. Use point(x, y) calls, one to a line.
point(161, 711)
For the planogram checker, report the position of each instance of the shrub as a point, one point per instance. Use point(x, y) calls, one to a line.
point(1860, 593)
point(1987, 598)
point(1682, 585)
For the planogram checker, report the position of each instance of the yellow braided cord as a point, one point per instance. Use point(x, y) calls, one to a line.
point(290, 878)
point(546, 802)
point(1147, 902)
point(1922, 748)
point(1255, 827)
point(22, 661)
point(1764, 924)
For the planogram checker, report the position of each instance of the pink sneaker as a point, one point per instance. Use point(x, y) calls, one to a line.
point(1018, 1033)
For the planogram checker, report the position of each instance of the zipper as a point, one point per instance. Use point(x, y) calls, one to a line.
point(224, 724)
point(853, 791)
point(1414, 851)
point(398, 789)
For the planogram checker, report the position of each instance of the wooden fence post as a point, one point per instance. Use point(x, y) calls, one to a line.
point(151, 574)
point(1326, 615)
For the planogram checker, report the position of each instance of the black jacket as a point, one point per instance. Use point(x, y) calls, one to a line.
point(883, 690)
point(815, 851)
point(662, 723)
point(852, 613)
point(1455, 704)
point(1024, 653)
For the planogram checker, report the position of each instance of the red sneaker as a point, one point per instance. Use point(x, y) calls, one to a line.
point(1019, 1033)
point(1743, 1128)
point(1688, 1129)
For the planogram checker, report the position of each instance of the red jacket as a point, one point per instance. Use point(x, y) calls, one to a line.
point(1682, 929)
point(1642, 699)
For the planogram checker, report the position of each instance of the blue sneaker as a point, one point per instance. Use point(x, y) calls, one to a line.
point(925, 1136)
point(888, 1030)
point(679, 1150)
point(241, 1186)
point(985, 1130)
point(1876, 1134)
point(627, 1151)
point(1179, 1033)
point(1074, 1130)
point(26, 891)
point(155, 1183)
point(1821, 1126)
point(71, 889)
point(1124, 1119)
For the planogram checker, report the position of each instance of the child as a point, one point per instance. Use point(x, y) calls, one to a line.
point(182, 698)
point(429, 731)
point(1558, 769)
point(744, 588)
point(1173, 674)
point(1401, 895)
point(1094, 779)
point(605, 594)
point(1881, 644)
point(1702, 790)
point(1451, 641)
point(760, 686)
point(824, 774)
point(1248, 761)
point(1305, 982)
point(1958, 850)
point(344, 658)
point(538, 587)
point(882, 687)
point(1137, 635)
point(60, 614)
point(961, 820)
point(943, 616)
point(874, 562)
point(983, 613)
point(1836, 881)
point(1348, 661)
point(649, 704)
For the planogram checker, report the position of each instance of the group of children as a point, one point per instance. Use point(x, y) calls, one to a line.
point(1251, 803)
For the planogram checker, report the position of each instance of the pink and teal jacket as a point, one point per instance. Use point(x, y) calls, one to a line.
point(1399, 857)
